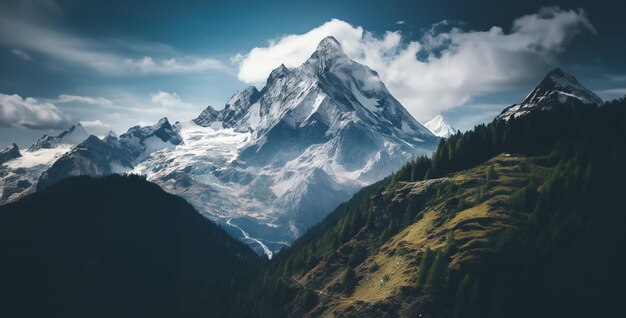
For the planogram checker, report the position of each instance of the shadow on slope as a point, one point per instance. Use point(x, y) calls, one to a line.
point(117, 246)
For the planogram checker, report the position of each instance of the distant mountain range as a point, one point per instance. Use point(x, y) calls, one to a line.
point(270, 164)
point(273, 162)
point(519, 217)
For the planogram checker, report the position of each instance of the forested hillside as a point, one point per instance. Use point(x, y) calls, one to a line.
point(117, 246)
point(516, 218)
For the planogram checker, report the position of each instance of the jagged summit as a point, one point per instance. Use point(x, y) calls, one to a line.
point(277, 73)
point(10, 152)
point(328, 53)
point(96, 157)
point(294, 150)
point(73, 136)
point(329, 42)
point(141, 141)
point(440, 127)
point(557, 88)
point(329, 46)
point(329, 123)
point(110, 134)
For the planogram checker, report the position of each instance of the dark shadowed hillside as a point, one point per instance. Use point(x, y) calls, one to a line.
point(114, 247)
point(517, 218)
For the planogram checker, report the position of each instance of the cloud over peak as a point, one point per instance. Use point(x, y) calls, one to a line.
point(446, 68)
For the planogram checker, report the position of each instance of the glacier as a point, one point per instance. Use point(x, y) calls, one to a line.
point(272, 162)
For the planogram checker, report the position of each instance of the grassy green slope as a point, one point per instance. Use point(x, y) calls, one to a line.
point(513, 219)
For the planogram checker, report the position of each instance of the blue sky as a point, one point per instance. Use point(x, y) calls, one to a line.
point(115, 64)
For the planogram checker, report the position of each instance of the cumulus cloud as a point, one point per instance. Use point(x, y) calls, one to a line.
point(400, 22)
point(293, 50)
point(168, 100)
point(65, 98)
point(16, 111)
point(94, 124)
point(443, 70)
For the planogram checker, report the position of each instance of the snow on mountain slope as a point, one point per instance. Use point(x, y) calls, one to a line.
point(309, 139)
point(440, 127)
point(557, 88)
point(73, 136)
point(9, 153)
point(19, 175)
point(274, 162)
point(97, 157)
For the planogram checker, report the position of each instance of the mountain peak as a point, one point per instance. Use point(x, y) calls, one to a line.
point(162, 121)
point(10, 152)
point(439, 127)
point(565, 85)
point(327, 51)
point(110, 134)
point(73, 136)
point(329, 43)
point(557, 88)
point(557, 78)
point(557, 71)
point(77, 130)
point(278, 72)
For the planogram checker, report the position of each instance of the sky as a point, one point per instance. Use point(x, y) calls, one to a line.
point(115, 64)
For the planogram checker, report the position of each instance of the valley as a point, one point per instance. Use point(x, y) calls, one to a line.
point(320, 195)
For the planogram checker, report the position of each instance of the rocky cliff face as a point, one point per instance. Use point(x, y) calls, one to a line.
point(308, 140)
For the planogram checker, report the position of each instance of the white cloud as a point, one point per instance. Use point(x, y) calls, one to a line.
point(30, 113)
point(457, 65)
point(21, 54)
point(94, 124)
point(65, 98)
point(168, 100)
point(148, 65)
point(293, 50)
point(400, 22)
point(111, 57)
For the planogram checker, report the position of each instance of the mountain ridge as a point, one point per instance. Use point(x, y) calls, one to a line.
point(492, 225)
point(329, 123)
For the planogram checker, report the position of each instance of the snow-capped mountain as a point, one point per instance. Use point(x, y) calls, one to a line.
point(97, 157)
point(19, 174)
point(440, 127)
point(273, 162)
point(309, 139)
point(73, 136)
point(10, 152)
point(557, 88)
point(141, 141)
